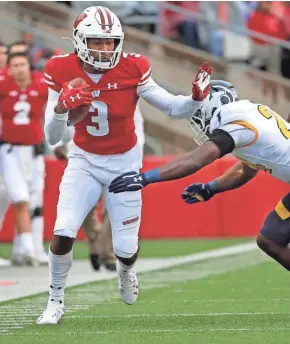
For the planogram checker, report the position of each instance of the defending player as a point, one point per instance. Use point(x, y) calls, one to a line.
point(256, 135)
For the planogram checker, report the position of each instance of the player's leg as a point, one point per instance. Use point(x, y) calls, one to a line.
point(92, 227)
point(106, 245)
point(99, 237)
point(15, 181)
point(274, 236)
point(79, 192)
point(4, 202)
point(36, 188)
point(124, 210)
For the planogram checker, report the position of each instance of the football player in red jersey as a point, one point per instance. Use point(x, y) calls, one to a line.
point(105, 143)
point(23, 96)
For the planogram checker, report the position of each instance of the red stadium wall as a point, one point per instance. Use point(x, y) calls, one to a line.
point(236, 213)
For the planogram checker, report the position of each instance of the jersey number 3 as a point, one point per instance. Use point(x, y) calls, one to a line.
point(268, 113)
point(99, 116)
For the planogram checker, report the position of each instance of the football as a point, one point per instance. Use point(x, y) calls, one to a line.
point(77, 115)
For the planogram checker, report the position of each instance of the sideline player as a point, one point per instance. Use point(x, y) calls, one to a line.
point(256, 135)
point(23, 95)
point(105, 143)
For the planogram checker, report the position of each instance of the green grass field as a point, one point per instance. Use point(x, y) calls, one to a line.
point(149, 248)
point(236, 299)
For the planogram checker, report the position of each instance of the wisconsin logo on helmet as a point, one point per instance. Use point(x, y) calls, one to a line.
point(103, 17)
point(79, 19)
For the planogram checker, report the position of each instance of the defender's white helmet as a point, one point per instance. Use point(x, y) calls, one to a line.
point(98, 22)
point(221, 93)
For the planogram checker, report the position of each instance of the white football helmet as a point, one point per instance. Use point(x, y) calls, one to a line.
point(97, 22)
point(221, 93)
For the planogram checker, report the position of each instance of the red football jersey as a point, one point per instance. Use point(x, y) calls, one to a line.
point(22, 110)
point(109, 127)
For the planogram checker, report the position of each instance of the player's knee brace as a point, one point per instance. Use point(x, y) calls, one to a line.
point(125, 245)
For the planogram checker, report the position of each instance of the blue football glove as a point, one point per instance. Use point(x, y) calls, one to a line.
point(130, 181)
point(197, 192)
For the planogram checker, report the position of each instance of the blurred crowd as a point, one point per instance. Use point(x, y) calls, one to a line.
point(31, 45)
point(271, 18)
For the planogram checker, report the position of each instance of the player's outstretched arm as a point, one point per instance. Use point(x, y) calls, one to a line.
point(178, 106)
point(233, 178)
point(189, 163)
point(180, 167)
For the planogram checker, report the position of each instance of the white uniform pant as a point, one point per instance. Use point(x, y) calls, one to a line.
point(81, 187)
point(22, 174)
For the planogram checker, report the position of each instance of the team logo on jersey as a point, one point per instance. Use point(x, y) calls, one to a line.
point(33, 93)
point(114, 85)
point(96, 93)
point(13, 93)
point(23, 97)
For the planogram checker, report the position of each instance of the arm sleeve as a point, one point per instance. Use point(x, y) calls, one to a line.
point(223, 141)
point(242, 136)
point(174, 106)
point(231, 136)
point(54, 124)
point(66, 138)
point(139, 126)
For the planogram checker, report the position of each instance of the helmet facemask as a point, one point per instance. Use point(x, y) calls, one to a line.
point(221, 93)
point(199, 124)
point(85, 55)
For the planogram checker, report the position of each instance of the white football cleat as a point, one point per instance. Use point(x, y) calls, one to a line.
point(42, 258)
point(52, 314)
point(24, 259)
point(128, 284)
point(16, 259)
point(30, 259)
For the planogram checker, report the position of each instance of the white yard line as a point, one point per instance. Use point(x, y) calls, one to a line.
point(174, 315)
point(162, 330)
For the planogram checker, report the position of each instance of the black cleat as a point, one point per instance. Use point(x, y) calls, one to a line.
point(110, 266)
point(95, 261)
